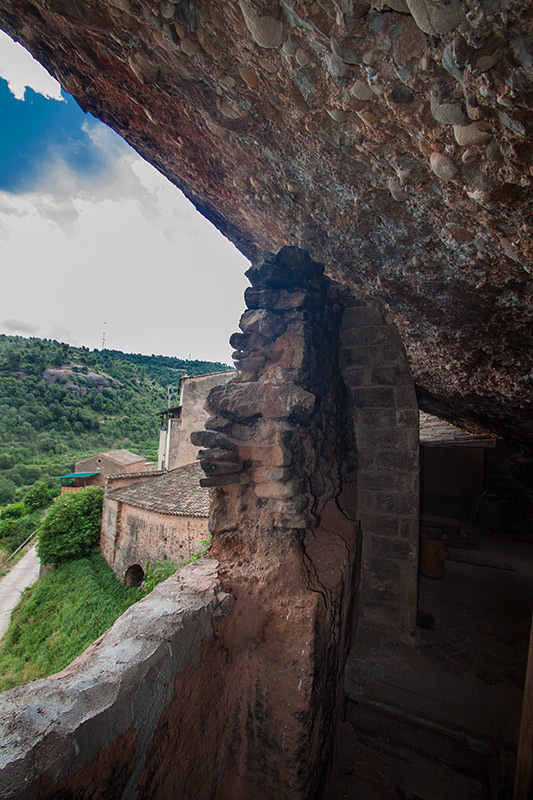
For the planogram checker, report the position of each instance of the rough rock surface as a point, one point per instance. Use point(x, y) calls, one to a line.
point(391, 140)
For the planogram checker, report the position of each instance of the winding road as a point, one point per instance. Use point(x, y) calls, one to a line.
point(23, 574)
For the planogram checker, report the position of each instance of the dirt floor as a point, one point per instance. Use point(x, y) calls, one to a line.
point(438, 718)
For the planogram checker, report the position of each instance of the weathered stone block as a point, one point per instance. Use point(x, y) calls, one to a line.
point(277, 490)
point(280, 300)
point(212, 438)
point(263, 322)
point(220, 467)
point(397, 503)
point(373, 398)
point(218, 423)
point(358, 316)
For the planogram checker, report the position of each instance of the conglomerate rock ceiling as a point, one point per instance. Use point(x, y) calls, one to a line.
point(392, 140)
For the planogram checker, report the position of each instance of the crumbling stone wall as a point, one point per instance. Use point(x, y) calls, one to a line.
point(289, 517)
point(133, 535)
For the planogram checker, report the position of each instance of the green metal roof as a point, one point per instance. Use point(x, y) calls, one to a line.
point(78, 475)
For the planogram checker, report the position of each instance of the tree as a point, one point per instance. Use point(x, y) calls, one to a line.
point(40, 495)
point(71, 527)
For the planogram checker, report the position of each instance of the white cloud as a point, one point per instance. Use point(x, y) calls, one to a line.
point(21, 70)
point(132, 251)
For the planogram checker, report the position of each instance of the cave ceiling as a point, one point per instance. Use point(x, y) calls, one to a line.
point(393, 141)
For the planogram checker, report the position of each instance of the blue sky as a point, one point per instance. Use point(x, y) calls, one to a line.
point(93, 238)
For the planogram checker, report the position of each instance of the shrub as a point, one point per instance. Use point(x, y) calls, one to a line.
point(40, 495)
point(71, 527)
point(14, 511)
point(7, 490)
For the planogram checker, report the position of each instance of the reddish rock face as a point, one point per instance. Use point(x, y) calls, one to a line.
point(391, 140)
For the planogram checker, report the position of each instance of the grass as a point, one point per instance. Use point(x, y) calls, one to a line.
point(59, 616)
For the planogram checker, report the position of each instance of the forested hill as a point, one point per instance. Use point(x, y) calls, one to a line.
point(59, 403)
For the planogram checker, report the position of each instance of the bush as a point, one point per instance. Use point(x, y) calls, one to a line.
point(14, 511)
point(71, 527)
point(40, 495)
point(13, 532)
point(7, 490)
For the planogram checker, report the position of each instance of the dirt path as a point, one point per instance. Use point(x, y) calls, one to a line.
point(24, 574)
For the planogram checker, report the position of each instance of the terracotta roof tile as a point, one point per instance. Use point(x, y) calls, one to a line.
point(177, 492)
point(435, 431)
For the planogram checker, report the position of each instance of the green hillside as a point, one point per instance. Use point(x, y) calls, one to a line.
point(59, 403)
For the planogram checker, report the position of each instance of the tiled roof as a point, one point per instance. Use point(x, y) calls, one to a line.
point(435, 431)
point(177, 492)
point(144, 473)
point(122, 456)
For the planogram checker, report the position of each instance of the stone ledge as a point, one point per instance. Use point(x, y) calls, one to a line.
point(54, 727)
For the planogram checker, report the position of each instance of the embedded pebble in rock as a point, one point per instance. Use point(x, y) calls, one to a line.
point(167, 10)
point(302, 58)
point(447, 113)
point(336, 67)
point(396, 190)
point(442, 166)
point(249, 77)
point(435, 17)
point(266, 31)
point(336, 114)
point(362, 91)
point(471, 135)
point(190, 47)
point(289, 49)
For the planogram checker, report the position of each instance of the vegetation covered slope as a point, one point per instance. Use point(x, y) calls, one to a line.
point(59, 616)
point(59, 403)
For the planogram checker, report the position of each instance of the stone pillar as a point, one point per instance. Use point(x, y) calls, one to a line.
point(279, 452)
point(303, 457)
point(385, 414)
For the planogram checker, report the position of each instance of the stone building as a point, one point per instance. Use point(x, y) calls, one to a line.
point(162, 518)
point(94, 470)
point(373, 161)
point(178, 422)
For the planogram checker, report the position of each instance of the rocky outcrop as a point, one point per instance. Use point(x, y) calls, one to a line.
point(392, 140)
point(85, 381)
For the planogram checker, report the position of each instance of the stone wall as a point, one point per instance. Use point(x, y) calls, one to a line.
point(94, 729)
point(385, 416)
point(132, 535)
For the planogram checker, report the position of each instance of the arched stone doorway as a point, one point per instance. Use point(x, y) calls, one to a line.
point(134, 575)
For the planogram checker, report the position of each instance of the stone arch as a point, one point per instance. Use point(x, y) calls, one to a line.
point(134, 575)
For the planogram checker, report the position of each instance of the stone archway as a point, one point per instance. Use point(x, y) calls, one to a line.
point(134, 575)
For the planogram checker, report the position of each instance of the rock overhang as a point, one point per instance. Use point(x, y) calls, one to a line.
point(392, 141)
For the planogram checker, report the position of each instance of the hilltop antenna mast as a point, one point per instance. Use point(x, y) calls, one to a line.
point(103, 337)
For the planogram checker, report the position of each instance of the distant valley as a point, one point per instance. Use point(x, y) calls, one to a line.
point(59, 403)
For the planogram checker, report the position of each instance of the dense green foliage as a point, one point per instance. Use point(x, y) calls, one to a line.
point(71, 527)
point(159, 571)
point(59, 617)
point(15, 530)
point(54, 411)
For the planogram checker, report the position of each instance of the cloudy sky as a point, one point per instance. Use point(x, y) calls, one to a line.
point(92, 234)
